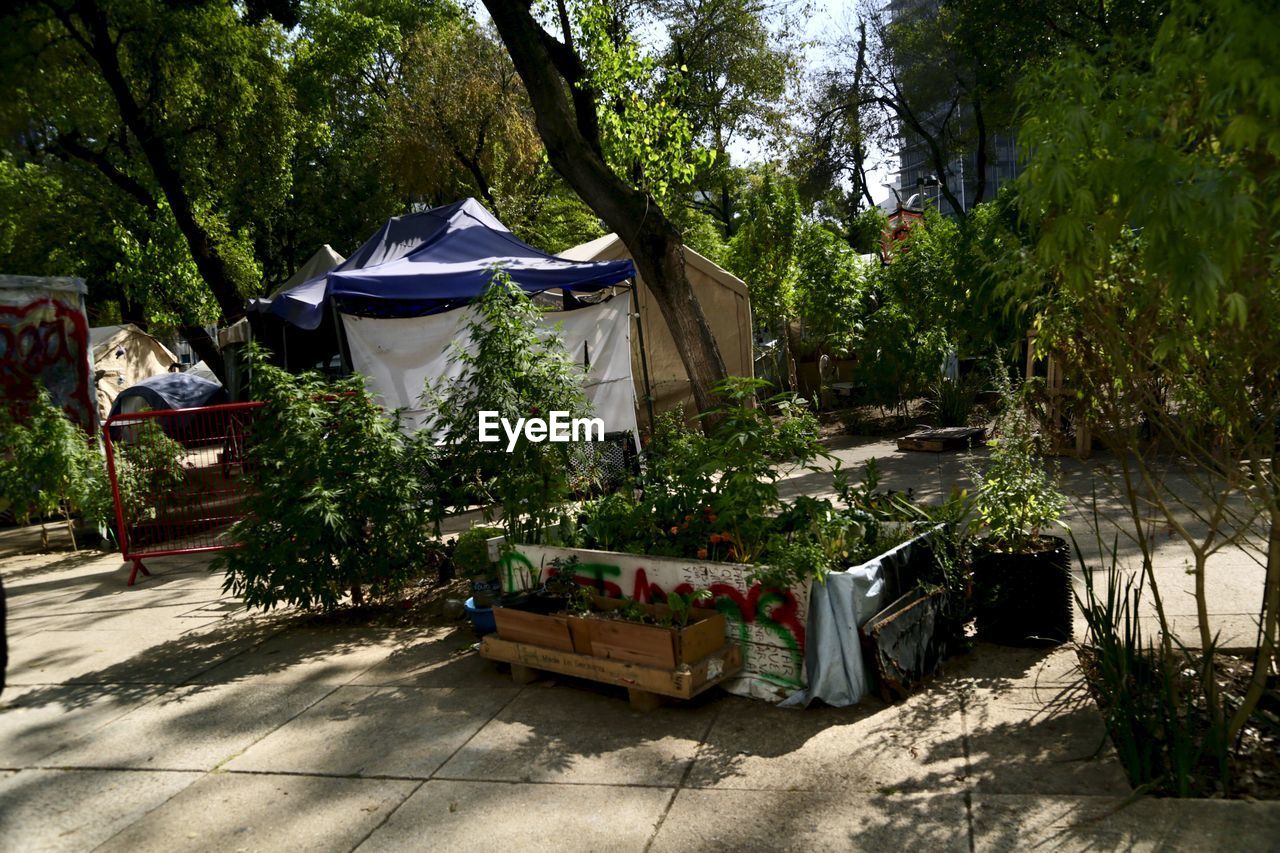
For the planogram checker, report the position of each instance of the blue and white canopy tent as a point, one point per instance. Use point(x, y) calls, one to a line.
point(402, 303)
point(436, 260)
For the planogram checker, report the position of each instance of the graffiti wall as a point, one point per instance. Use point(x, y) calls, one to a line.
point(768, 624)
point(44, 341)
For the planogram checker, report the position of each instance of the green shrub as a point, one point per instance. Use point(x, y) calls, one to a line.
point(516, 370)
point(48, 466)
point(148, 470)
point(335, 506)
point(1153, 700)
point(1017, 495)
point(471, 552)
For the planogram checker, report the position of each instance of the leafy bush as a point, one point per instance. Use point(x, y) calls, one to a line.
point(334, 506)
point(471, 551)
point(1017, 494)
point(715, 496)
point(148, 469)
point(1156, 711)
point(609, 522)
point(952, 401)
point(47, 465)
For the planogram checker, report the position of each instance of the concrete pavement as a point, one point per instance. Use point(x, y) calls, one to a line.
point(163, 717)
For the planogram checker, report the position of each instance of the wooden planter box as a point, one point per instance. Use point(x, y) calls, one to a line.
point(646, 686)
point(616, 639)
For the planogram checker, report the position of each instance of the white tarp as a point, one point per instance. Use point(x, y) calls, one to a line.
point(398, 356)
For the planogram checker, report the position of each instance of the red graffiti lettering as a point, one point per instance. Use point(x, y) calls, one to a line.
point(45, 343)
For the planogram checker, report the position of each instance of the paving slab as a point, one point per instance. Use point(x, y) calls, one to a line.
point(435, 658)
point(1022, 822)
point(495, 816)
point(236, 811)
point(172, 656)
point(55, 810)
point(332, 655)
point(1022, 741)
point(999, 667)
point(54, 656)
point(197, 727)
point(813, 821)
point(38, 721)
point(556, 732)
point(377, 731)
point(916, 745)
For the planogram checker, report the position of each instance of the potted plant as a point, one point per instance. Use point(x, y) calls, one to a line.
point(1022, 576)
point(471, 559)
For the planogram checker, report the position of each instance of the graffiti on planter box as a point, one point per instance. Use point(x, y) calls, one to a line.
point(767, 623)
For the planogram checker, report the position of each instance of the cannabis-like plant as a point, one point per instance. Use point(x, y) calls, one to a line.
point(517, 370)
point(1017, 495)
point(334, 508)
point(47, 465)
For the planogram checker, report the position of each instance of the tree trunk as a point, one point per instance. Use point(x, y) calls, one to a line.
point(205, 347)
point(549, 69)
point(980, 155)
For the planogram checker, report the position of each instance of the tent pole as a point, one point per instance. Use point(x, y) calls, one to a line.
point(644, 356)
point(343, 362)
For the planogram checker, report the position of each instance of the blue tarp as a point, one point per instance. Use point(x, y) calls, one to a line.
point(425, 262)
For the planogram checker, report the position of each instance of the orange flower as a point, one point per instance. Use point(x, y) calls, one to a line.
point(688, 518)
point(712, 518)
point(674, 530)
point(702, 553)
point(715, 538)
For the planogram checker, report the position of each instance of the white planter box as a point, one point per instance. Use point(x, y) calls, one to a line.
point(769, 625)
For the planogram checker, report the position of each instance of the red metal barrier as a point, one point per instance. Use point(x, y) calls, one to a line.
point(177, 478)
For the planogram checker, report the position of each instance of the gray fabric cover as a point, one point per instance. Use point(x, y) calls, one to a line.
point(837, 673)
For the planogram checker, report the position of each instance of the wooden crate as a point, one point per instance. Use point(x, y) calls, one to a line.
point(654, 645)
point(536, 629)
point(616, 639)
point(645, 684)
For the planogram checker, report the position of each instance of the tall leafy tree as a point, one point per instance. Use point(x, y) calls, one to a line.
point(763, 253)
point(944, 74)
point(610, 127)
point(1152, 184)
point(178, 109)
point(738, 59)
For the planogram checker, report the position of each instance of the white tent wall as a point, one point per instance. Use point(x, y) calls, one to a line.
point(725, 303)
point(398, 357)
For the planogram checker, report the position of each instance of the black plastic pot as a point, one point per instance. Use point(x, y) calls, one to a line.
point(536, 602)
point(1024, 599)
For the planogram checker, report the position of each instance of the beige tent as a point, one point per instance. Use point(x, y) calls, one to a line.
point(725, 302)
point(122, 357)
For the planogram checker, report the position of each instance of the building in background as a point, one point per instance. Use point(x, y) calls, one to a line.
point(918, 183)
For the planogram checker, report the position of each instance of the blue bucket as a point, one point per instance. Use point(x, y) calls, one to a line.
point(481, 617)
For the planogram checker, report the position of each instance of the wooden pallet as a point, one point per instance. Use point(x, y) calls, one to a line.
point(946, 438)
point(646, 685)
